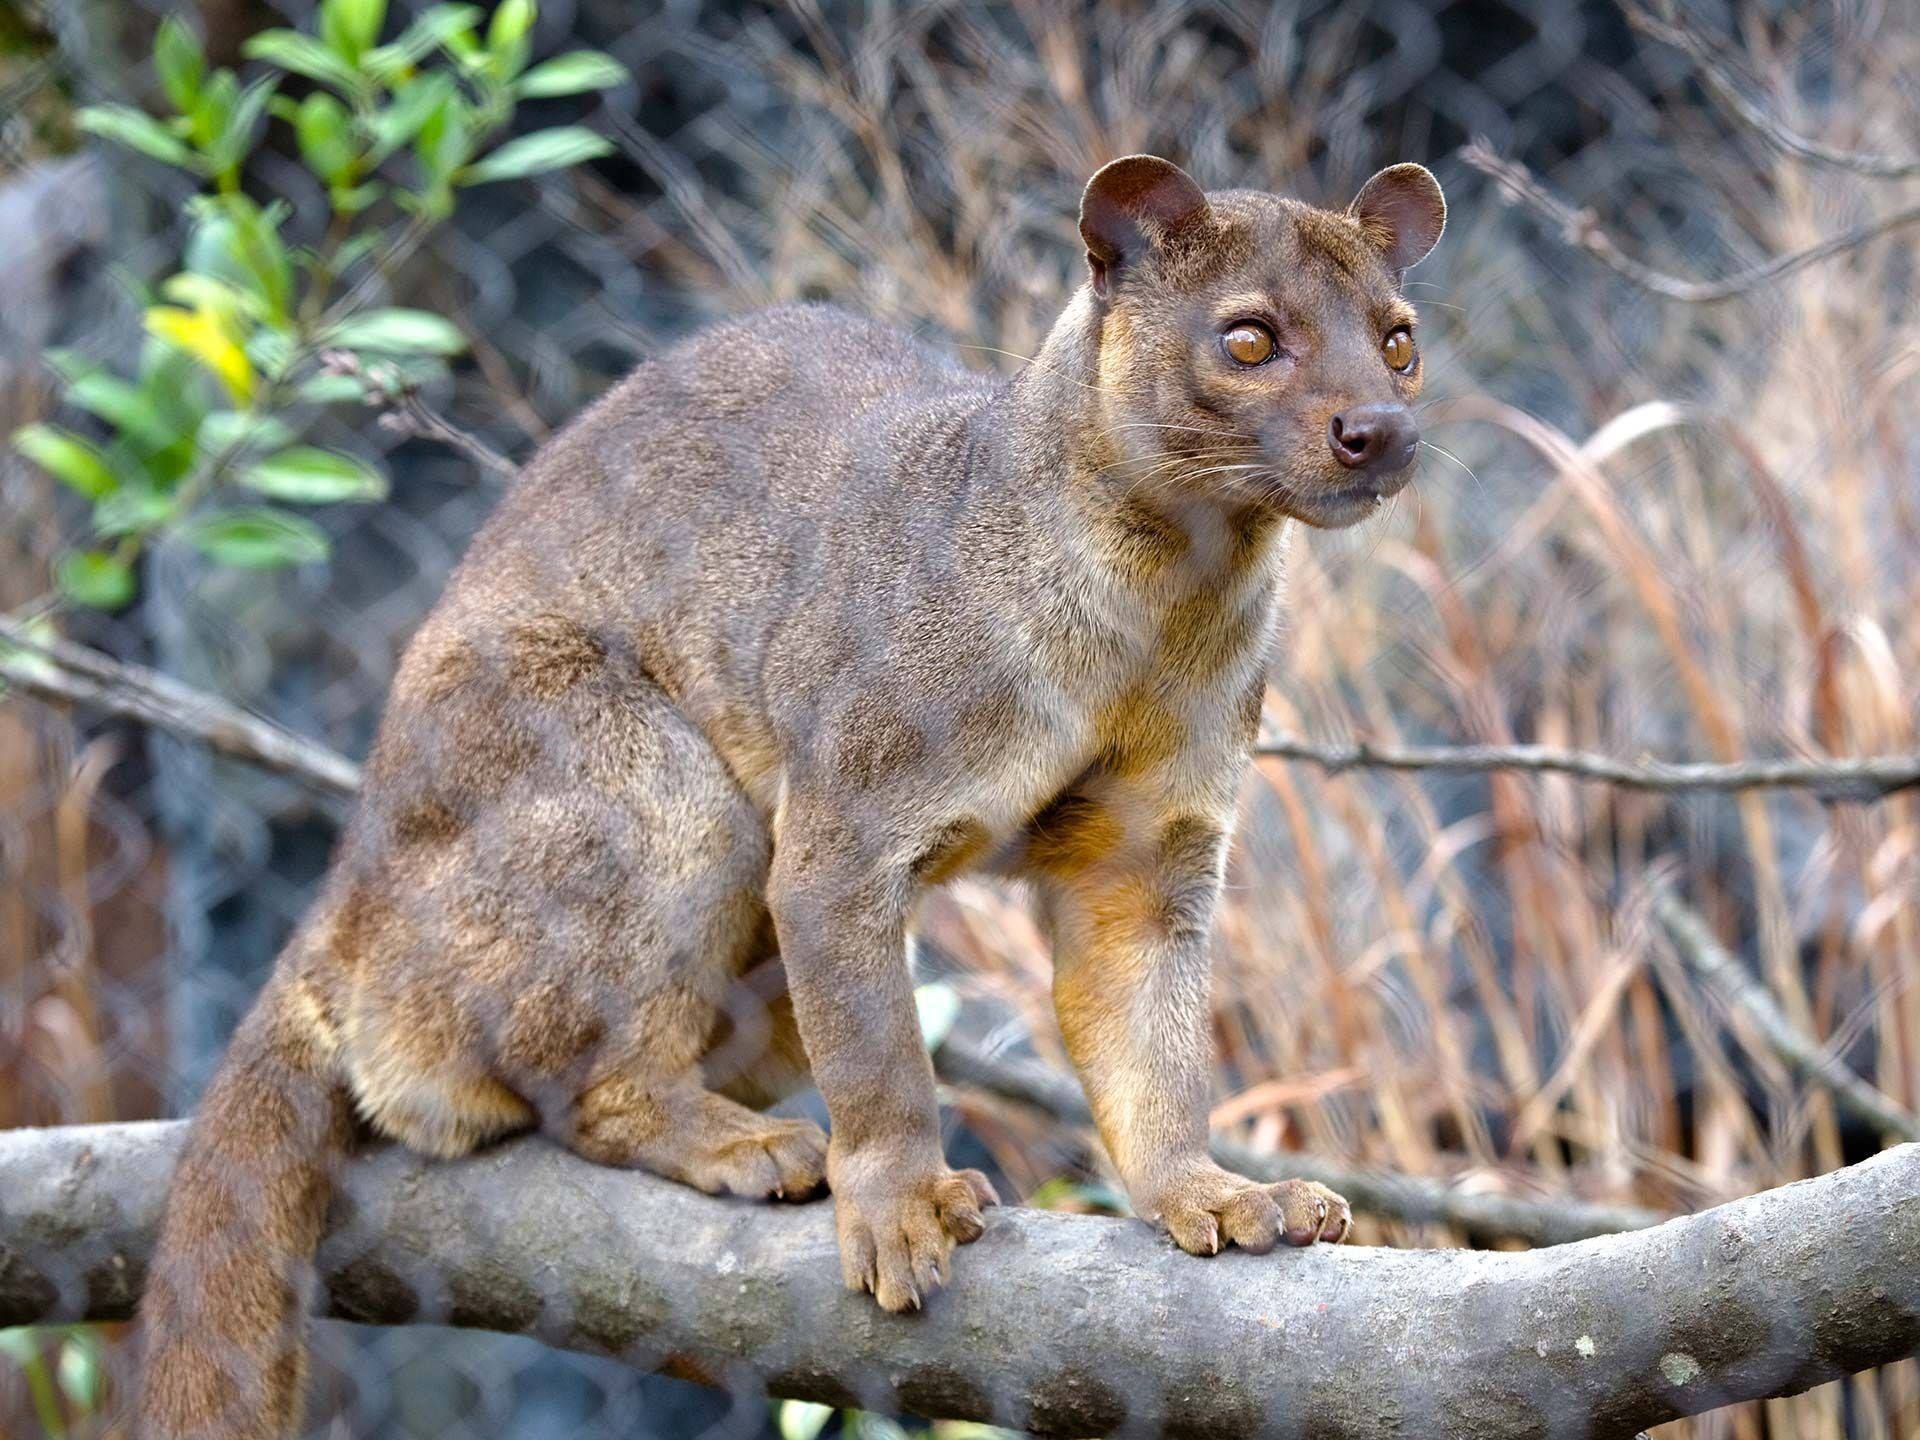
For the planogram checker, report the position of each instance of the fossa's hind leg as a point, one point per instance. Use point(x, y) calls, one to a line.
point(685, 1132)
point(589, 931)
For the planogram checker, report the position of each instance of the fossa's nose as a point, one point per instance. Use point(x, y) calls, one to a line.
point(1379, 438)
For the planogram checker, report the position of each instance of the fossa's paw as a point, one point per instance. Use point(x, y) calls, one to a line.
point(784, 1160)
point(897, 1227)
point(1210, 1208)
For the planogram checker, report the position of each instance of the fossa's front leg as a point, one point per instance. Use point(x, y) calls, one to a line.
point(1129, 877)
point(840, 905)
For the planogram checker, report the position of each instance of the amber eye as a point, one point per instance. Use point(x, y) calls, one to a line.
point(1398, 350)
point(1250, 344)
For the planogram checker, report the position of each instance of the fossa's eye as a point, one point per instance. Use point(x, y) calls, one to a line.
point(1249, 343)
point(1397, 349)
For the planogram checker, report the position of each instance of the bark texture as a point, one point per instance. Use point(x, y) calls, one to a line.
point(1059, 1324)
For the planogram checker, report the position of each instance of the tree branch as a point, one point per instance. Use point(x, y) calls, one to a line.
point(1747, 998)
point(52, 669)
point(1719, 79)
point(1581, 229)
point(1063, 1325)
point(1864, 779)
point(1412, 1198)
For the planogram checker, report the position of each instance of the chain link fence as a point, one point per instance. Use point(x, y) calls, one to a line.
point(1643, 527)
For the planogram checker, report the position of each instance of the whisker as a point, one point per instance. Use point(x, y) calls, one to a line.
point(1168, 460)
point(1156, 425)
point(1442, 450)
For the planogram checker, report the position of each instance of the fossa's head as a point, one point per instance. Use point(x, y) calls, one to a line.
point(1256, 348)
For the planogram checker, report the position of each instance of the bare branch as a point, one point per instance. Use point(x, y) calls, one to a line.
point(1837, 780)
point(61, 671)
point(1057, 1324)
point(57, 670)
point(410, 415)
point(1719, 79)
point(1581, 229)
point(1810, 1062)
point(1412, 1198)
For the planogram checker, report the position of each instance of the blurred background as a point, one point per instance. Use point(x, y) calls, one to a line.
point(1649, 524)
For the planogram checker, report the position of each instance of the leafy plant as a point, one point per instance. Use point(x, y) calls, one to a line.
point(257, 333)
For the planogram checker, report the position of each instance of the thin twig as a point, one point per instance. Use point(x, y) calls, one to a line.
point(1865, 779)
point(1582, 230)
point(410, 415)
point(1756, 117)
point(1809, 1061)
point(396, 398)
point(1411, 1198)
point(58, 670)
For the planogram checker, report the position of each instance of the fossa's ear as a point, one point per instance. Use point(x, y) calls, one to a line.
point(1403, 213)
point(1131, 206)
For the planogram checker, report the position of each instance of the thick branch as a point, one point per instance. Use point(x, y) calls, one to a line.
point(1412, 1198)
point(1581, 229)
point(1064, 1325)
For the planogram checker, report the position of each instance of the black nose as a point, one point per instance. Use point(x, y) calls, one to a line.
point(1373, 437)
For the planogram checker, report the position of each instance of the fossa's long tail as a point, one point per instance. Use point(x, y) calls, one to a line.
point(225, 1312)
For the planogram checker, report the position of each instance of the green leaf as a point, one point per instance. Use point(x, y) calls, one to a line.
point(507, 36)
point(238, 242)
point(167, 385)
point(307, 475)
point(356, 250)
point(937, 1005)
point(572, 74)
point(350, 27)
point(22, 1344)
point(398, 332)
point(355, 198)
point(445, 139)
point(118, 402)
point(80, 1372)
point(802, 1419)
point(332, 389)
point(257, 538)
point(137, 131)
point(1062, 1193)
point(227, 432)
point(132, 512)
point(180, 63)
point(92, 577)
point(304, 55)
point(271, 352)
point(66, 457)
point(532, 154)
point(236, 134)
point(412, 105)
point(213, 108)
point(323, 129)
point(433, 29)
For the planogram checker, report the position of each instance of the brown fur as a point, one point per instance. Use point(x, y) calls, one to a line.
point(797, 621)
